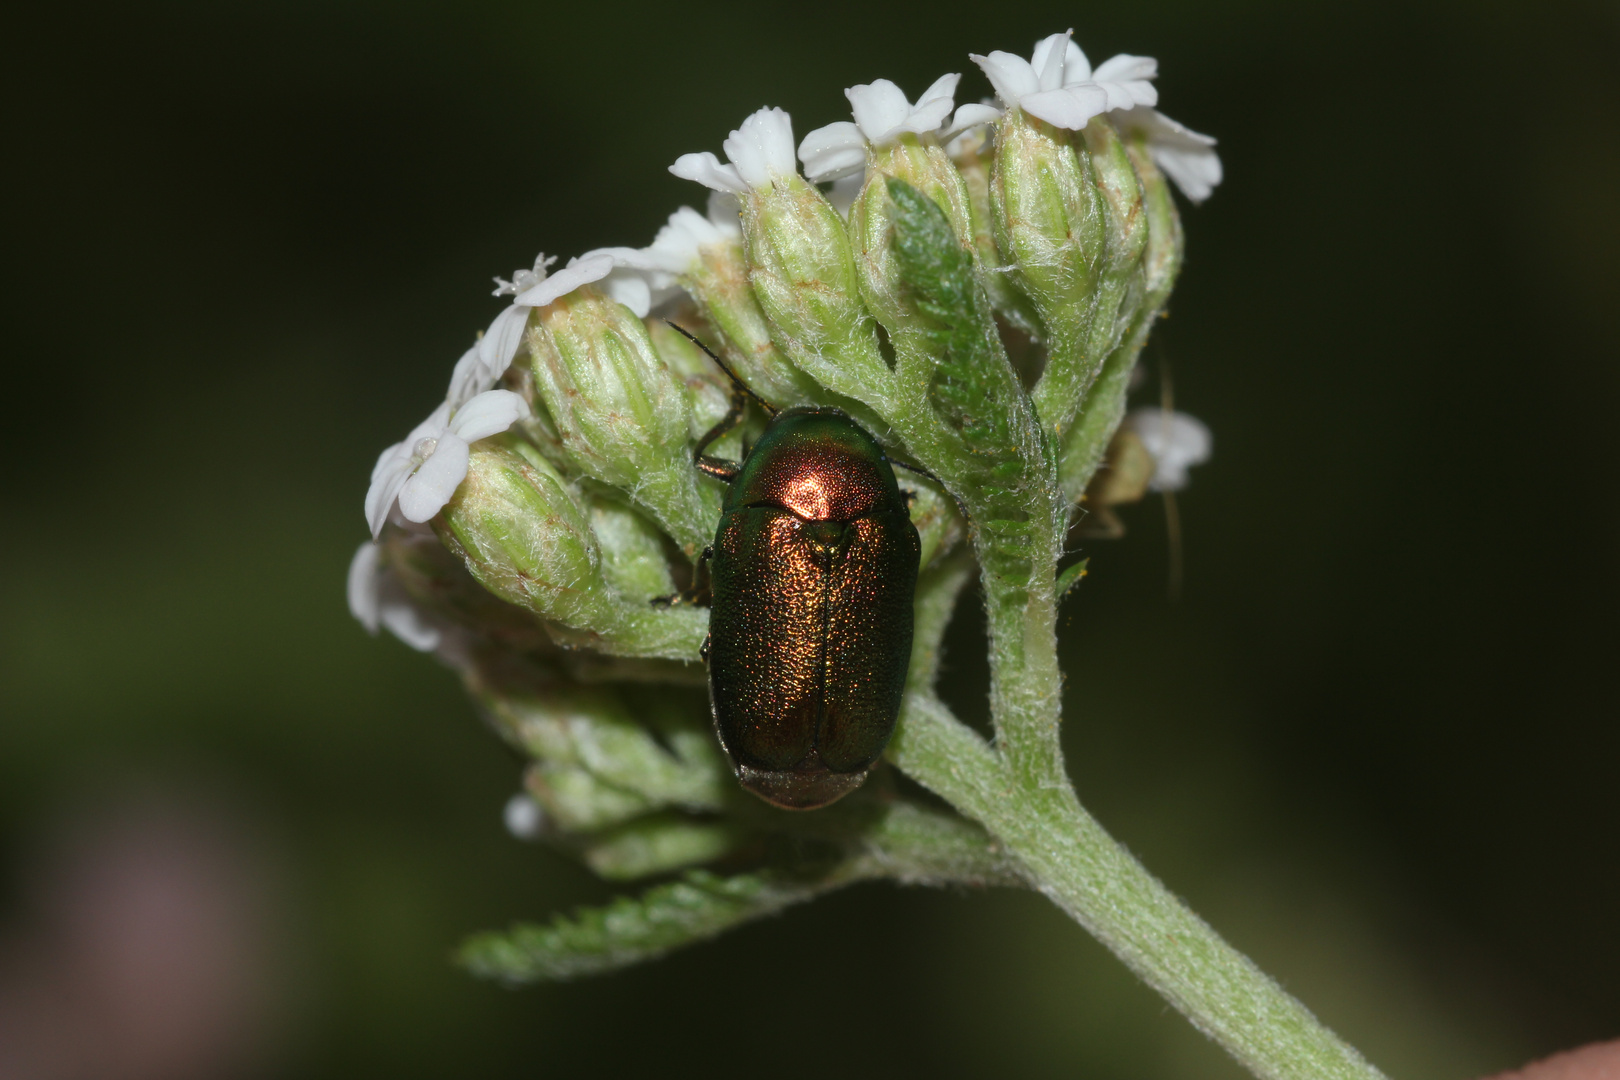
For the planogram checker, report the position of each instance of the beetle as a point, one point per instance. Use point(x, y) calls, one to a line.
point(811, 580)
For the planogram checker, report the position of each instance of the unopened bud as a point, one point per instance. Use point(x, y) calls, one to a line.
point(803, 275)
point(600, 764)
point(520, 531)
point(619, 412)
point(658, 844)
point(973, 153)
point(1086, 440)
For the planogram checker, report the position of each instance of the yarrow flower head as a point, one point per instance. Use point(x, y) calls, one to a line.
point(421, 473)
point(758, 153)
point(1058, 85)
point(979, 313)
point(882, 115)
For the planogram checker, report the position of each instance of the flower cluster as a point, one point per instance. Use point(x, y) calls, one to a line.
point(972, 284)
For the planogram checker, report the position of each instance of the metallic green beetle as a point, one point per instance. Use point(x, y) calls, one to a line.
point(812, 573)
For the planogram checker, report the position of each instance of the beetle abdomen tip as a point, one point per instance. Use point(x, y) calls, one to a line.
point(808, 789)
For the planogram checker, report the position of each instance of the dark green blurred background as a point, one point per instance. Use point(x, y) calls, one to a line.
point(1375, 743)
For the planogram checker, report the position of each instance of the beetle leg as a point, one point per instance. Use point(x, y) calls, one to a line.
point(719, 468)
point(703, 652)
point(698, 594)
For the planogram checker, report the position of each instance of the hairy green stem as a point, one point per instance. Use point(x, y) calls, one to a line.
point(1070, 858)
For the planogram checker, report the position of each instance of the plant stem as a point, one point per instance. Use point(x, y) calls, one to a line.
point(1072, 860)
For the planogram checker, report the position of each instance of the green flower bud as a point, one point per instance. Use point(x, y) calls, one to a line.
point(921, 163)
point(803, 275)
point(518, 528)
point(619, 413)
point(576, 800)
point(598, 764)
point(1088, 438)
point(1119, 273)
point(658, 844)
point(437, 580)
point(718, 278)
point(973, 157)
point(1051, 223)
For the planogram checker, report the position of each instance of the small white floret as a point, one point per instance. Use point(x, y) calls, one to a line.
point(1176, 441)
point(378, 599)
point(420, 474)
point(524, 817)
point(1058, 85)
point(482, 366)
point(758, 153)
point(882, 115)
point(1187, 157)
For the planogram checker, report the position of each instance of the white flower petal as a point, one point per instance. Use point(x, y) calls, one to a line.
point(725, 213)
point(405, 620)
point(580, 271)
point(762, 148)
point(1187, 157)
point(1176, 441)
point(1076, 68)
point(392, 470)
point(880, 108)
point(943, 87)
point(363, 600)
point(630, 289)
point(500, 343)
point(1071, 107)
point(706, 169)
point(394, 467)
point(1049, 59)
point(1010, 74)
point(425, 493)
point(928, 115)
point(1126, 68)
point(845, 190)
point(1196, 172)
point(490, 413)
point(969, 116)
point(833, 151)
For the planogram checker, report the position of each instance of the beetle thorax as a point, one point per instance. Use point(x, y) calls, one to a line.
point(819, 467)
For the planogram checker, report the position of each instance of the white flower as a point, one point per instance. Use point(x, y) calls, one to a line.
point(421, 473)
point(678, 244)
point(377, 598)
point(759, 153)
point(1186, 157)
point(882, 115)
point(1176, 441)
point(1057, 84)
point(482, 366)
point(524, 817)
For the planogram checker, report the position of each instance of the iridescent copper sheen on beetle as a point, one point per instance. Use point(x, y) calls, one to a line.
point(812, 574)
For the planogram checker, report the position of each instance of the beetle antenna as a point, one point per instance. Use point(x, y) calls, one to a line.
point(918, 469)
point(770, 410)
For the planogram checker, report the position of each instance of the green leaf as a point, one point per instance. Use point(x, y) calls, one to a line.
point(1071, 577)
point(633, 929)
